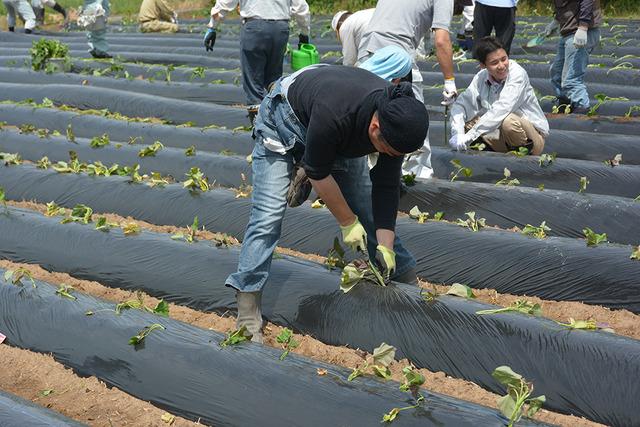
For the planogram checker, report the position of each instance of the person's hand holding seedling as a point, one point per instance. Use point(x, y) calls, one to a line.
point(386, 259)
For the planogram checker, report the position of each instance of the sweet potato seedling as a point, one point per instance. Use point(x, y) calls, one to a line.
point(54, 210)
point(507, 180)
point(412, 381)
point(635, 253)
point(103, 225)
point(11, 158)
point(616, 161)
point(161, 309)
point(537, 232)
point(140, 337)
point(409, 179)
point(418, 215)
point(383, 355)
point(472, 223)
point(583, 184)
point(196, 180)
point(603, 99)
point(547, 159)
point(236, 337)
point(80, 213)
point(3, 199)
point(460, 290)
point(588, 324)
point(190, 151)
point(65, 291)
point(244, 190)
point(71, 137)
point(99, 141)
point(288, 342)
point(593, 238)
point(520, 152)
point(156, 180)
point(520, 306)
point(518, 395)
point(16, 276)
point(335, 257)
point(459, 169)
point(151, 150)
point(26, 128)
point(43, 163)
point(438, 216)
point(191, 235)
point(130, 228)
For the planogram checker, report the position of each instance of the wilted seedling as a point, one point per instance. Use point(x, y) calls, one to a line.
point(518, 394)
point(383, 355)
point(103, 225)
point(43, 133)
point(190, 151)
point(54, 210)
point(409, 179)
point(540, 187)
point(151, 150)
point(603, 99)
point(593, 238)
point(460, 290)
point(537, 232)
point(156, 180)
point(134, 139)
point(99, 169)
point(161, 309)
point(137, 339)
point(617, 159)
point(438, 216)
point(196, 180)
point(43, 163)
point(335, 257)
point(130, 228)
point(71, 137)
point(635, 253)
point(16, 276)
point(418, 215)
point(412, 381)
point(520, 306)
point(80, 213)
point(459, 169)
point(547, 159)
point(26, 128)
point(589, 324)
point(133, 172)
point(393, 413)
point(244, 190)
point(507, 180)
point(11, 159)
point(224, 240)
point(191, 235)
point(583, 184)
point(520, 152)
point(472, 223)
point(236, 337)
point(99, 141)
point(288, 342)
point(198, 72)
point(65, 291)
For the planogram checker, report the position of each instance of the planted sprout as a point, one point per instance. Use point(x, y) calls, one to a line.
point(16, 276)
point(589, 324)
point(617, 159)
point(137, 339)
point(151, 150)
point(460, 290)
point(546, 159)
point(80, 213)
point(65, 291)
point(54, 210)
point(518, 394)
point(438, 216)
point(156, 180)
point(520, 152)
point(540, 187)
point(507, 180)
point(583, 184)
point(99, 141)
point(11, 158)
point(520, 306)
point(383, 355)
point(191, 235)
point(537, 232)
point(632, 109)
point(43, 163)
point(603, 99)
point(593, 238)
point(358, 270)
point(412, 381)
point(244, 190)
point(409, 179)
point(196, 180)
point(418, 215)
point(133, 172)
point(190, 151)
point(288, 342)
point(459, 169)
point(335, 257)
point(236, 337)
point(103, 225)
point(472, 223)
point(130, 228)
point(198, 72)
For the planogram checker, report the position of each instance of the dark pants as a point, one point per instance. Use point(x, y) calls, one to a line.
point(262, 45)
point(502, 19)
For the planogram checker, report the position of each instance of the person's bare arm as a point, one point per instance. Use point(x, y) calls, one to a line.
point(329, 191)
point(444, 52)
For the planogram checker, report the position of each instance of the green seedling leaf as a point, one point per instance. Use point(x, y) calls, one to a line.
point(99, 141)
point(381, 371)
point(140, 337)
point(26, 128)
point(45, 49)
point(429, 296)
point(71, 137)
point(520, 306)
point(130, 228)
point(537, 232)
point(151, 150)
point(418, 215)
point(589, 324)
point(583, 184)
point(103, 225)
point(335, 257)
point(635, 253)
point(391, 415)
point(438, 216)
point(535, 405)
point(156, 180)
point(507, 179)
point(80, 213)
point(547, 159)
point(506, 376)
point(236, 337)
point(54, 210)
point(409, 179)
point(3, 199)
point(162, 308)
point(520, 152)
point(11, 159)
point(351, 276)
point(16, 276)
point(541, 187)
point(459, 169)
point(518, 392)
point(384, 354)
point(472, 223)
point(412, 380)
point(47, 392)
point(196, 180)
point(65, 291)
point(593, 238)
point(460, 290)
point(190, 151)
point(285, 337)
point(43, 163)
point(357, 372)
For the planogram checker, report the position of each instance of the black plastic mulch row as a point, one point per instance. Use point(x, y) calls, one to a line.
point(569, 367)
point(18, 412)
point(197, 379)
point(554, 268)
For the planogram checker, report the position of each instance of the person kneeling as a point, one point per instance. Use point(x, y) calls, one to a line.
point(499, 108)
point(156, 16)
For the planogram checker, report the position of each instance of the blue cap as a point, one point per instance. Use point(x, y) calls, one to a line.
point(391, 62)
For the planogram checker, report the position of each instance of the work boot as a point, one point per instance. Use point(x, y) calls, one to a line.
point(39, 12)
point(300, 187)
point(410, 277)
point(12, 29)
point(249, 313)
point(99, 54)
point(61, 10)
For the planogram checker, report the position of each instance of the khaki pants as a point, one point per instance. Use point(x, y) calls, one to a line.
point(515, 132)
point(157, 26)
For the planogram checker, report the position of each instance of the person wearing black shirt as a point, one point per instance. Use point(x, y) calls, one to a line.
point(329, 118)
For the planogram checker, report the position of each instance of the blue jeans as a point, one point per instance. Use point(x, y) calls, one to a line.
point(569, 67)
point(271, 179)
point(98, 39)
point(262, 47)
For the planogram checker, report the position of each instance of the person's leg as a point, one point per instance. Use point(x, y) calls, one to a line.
point(253, 57)
point(11, 15)
point(516, 132)
point(279, 38)
point(157, 26)
point(557, 67)
point(482, 21)
point(98, 38)
point(505, 24)
point(533, 137)
point(24, 9)
point(352, 175)
point(577, 60)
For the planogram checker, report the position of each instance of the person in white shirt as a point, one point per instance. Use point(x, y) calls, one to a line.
point(498, 15)
point(349, 28)
point(263, 39)
point(499, 108)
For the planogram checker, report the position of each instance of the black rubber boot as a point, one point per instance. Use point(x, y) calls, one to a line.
point(99, 54)
point(12, 29)
point(60, 10)
point(28, 31)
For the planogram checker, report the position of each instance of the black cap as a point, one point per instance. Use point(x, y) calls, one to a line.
point(404, 120)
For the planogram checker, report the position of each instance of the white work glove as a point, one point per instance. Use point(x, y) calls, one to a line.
point(551, 28)
point(450, 93)
point(580, 38)
point(459, 142)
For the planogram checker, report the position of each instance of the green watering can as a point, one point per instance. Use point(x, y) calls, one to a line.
point(305, 56)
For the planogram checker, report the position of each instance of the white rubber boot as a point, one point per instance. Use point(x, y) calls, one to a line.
point(249, 313)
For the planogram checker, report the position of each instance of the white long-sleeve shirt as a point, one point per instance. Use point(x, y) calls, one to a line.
point(269, 9)
point(351, 32)
point(493, 102)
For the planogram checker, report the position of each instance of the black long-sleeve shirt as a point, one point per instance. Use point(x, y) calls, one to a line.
point(336, 104)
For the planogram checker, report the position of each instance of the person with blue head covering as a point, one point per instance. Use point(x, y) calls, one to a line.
point(391, 63)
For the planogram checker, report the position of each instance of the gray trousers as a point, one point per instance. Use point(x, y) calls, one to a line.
point(22, 8)
point(262, 45)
